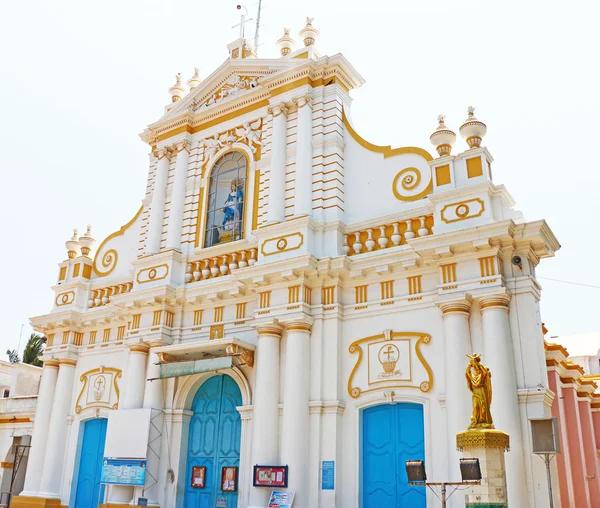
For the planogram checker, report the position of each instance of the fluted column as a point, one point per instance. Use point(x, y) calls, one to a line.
point(157, 211)
point(276, 210)
point(457, 345)
point(40, 428)
point(178, 196)
point(265, 414)
point(295, 444)
point(304, 157)
point(57, 430)
point(136, 377)
point(498, 356)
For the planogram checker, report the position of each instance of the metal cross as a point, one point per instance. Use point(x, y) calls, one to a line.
point(243, 20)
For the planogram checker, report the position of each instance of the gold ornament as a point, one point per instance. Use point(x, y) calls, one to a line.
point(479, 382)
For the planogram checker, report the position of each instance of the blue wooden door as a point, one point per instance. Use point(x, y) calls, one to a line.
point(214, 440)
point(392, 434)
point(90, 463)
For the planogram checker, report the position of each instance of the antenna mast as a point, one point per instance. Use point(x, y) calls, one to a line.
point(257, 27)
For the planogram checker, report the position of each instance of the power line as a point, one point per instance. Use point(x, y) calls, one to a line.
point(569, 282)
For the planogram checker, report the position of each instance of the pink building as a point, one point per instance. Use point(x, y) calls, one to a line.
point(577, 406)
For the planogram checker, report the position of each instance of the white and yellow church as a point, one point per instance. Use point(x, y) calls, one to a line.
point(290, 309)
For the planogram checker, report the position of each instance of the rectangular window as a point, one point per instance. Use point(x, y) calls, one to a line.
point(197, 317)
point(50, 340)
point(65, 338)
point(218, 316)
point(240, 310)
point(106, 337)
point(360, 292)
point(265, 299)
point(448, 273)
point(307, 295)
point(169, 316)
point(156, 318)
point(135, 323)
point(293, 294)
point(77, 338)
point(328, 295)
point(414, 285)
point(387, 289)
point(121, 332)
point(487, 266)
point(92, 337)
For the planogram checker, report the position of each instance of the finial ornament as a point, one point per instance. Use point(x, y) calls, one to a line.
point(473, 130)
point(479, 382)
point(286, 43)
point(87, 241)
point(73, 245)
point(443, 138)
point(194, 81)
point(309, 33)
point(177, 91)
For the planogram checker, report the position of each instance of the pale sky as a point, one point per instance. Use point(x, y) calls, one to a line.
point(79, 80)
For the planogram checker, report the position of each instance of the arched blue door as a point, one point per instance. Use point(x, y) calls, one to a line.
point(392, 434)
point(214, 440)
point(90, 463)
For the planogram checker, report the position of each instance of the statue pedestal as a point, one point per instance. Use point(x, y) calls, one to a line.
point(488, 445)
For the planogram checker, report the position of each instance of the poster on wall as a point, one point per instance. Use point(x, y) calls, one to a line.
point(124, 471)
point(282, 499)
point(229, 476)
point(198, 477)
point(270, 476)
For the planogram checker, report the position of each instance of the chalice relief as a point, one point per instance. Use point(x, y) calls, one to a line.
point(232, 214)
point(479, 382)
point(388, 356)
point(99, 387)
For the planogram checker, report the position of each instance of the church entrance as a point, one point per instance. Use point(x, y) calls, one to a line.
point(213, 443)
point(89, 492)
point(391, 435)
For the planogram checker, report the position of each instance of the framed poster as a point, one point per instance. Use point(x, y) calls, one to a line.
point(123, 471)
point(198, 477)
point(282, 499)
point(229, 477)
point(270, 476)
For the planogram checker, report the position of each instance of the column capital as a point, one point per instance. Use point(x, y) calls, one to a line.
point(137, 346)
point(278, 109)
point(51, 362)
point(182, 145)
point(302, 324)
point(304, 100)
point(162, 152)
point(458, 306)
point(274, 329)
point(495, 302)
point(72, 362)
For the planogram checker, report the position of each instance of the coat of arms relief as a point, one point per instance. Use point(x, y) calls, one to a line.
point(99, 389)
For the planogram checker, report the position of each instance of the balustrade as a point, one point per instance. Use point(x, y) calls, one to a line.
point(220, 265)
point(102, 296)
point(387, 235)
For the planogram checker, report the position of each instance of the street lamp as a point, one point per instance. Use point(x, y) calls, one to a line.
point(470, 472)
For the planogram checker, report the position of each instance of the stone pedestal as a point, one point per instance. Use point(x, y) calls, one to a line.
point(488, 445)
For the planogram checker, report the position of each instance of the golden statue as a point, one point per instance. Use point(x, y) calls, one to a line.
point(479, 381)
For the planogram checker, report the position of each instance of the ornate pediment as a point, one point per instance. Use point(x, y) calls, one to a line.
point(234, 86)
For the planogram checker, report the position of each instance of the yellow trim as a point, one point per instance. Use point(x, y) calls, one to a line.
point(64, 298)
point(109, 237)
point(199, 217)
point(63, 273)
point(442, 175)
point(387, 151)
point(256, 197)
point(463, 215)
point(416, 197)
point(35, 502)
point(87, 271)
point(281, 244)
point(84, 379)
point(474, 167)
point(152, 270)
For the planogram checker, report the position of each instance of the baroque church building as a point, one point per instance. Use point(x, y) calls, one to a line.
point(293, 297)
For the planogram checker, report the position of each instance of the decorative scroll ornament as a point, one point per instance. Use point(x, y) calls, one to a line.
point(246, 355)
point(99, 389)
point(392, 360)
point(248, 133)
point(232, 87)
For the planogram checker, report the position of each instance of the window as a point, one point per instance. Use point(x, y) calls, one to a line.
point(225, 210)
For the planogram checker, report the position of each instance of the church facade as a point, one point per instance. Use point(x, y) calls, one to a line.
point(293, 297)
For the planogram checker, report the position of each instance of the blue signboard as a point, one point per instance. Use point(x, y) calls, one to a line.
point(124, 471)
point(328, 475)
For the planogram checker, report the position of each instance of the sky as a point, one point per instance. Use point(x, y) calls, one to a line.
point(80, 80)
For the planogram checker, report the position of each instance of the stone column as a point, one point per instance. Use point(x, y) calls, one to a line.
point(304, 157)
point(276, 210)
point(295, 442)
point(178, 196)
point(457, 345)
point(43, 411)
point(157, 211)
point(498, 356)
point(56, 443)
point(136, 377)
point(265, 417)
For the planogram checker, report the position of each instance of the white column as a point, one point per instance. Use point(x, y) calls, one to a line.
point(57, 430)
point(178, 196)
point(304, 157)
point(457, 345)
point(295, 439)
point(135, 381)
point(276, 210)
point(43, 411)
point(265, 417)
point(157, 211)
point(498, 356)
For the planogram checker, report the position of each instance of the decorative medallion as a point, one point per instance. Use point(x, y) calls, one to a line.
point(99, 390)
point(469, 209)
point(152, 274)
point(391, 360)
point(282, 244)
point(65, 298)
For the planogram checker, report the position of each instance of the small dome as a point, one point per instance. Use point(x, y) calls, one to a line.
point(286, 43)
point(443, 138)
point(87, 241)
point(194, 81)
point(73, 245)
point(473, 130)
point(177, 91)
point(309, 33)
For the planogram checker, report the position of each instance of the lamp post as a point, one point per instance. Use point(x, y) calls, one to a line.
point(469, 469)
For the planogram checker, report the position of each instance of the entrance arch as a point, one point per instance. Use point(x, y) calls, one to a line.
point(391, 435)
point(214, 440)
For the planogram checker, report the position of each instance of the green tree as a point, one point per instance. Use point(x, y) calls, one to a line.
point(32, 354)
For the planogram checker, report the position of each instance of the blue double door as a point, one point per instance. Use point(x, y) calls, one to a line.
point(391, 435)
point(89, 492)
point(214, 440)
